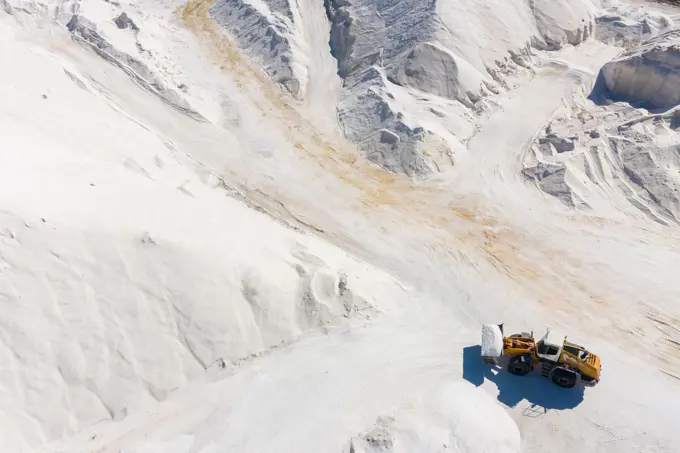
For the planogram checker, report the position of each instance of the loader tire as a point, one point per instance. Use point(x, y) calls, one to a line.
point(519, 366)
point(564, 378)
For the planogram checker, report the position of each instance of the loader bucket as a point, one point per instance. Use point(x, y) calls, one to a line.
point(492, 343)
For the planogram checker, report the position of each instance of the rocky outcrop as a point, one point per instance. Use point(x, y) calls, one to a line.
point(265, 31)
point(619, 156)
point(551, 179)
point(123, 21)
point(629, 25)
point(449, 49)
point(558, 143)
point(649, 75)
point(395, 54)
point(383, 134)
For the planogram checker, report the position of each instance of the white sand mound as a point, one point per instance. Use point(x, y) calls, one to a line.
point(648, 75)
point(434, 69)
point(123, 274)
point(563, 22)
point(370, 114)
point(458, 418)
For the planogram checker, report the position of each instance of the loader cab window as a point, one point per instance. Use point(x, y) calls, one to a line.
point(547, 349)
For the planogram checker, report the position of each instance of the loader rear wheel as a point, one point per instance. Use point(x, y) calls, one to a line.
point(519, 366)
point(564, 378)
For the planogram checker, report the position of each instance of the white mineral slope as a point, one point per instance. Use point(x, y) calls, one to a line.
point(505, 193)
point(647, 75)
point(128, 271)
point(618, 157)
point(421, 52)
point(513, 209)
point(124, 273)
point(481, 247)
point(458, 51)
point(330, 393)
point(523, 259)
point(543, 269)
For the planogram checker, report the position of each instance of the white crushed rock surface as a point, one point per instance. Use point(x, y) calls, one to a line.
point(436, 49)
point(433, 52)
point(492, 341)
point(618, 156)
point(128, 294)
point(434, 423)
point(199, 254)
point(595, 156)
point(629, 25)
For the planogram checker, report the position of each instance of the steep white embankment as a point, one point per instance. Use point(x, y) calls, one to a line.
point(125, 272)
point(648, 75)
point(269, 32)
point(414, 72)
point(289, 40)
point(613, 155)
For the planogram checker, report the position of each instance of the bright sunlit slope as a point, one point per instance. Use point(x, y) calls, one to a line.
point(125, 273)
point(195, 259)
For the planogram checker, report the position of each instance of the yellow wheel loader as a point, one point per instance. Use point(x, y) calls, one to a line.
point(565, 364)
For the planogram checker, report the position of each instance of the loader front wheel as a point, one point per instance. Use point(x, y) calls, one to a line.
point(564, 378)
point(519, 366)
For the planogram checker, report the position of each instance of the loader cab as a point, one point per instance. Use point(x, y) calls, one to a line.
point(550, 346)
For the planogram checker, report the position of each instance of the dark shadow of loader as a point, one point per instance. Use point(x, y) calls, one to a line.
point(512, 389)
